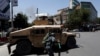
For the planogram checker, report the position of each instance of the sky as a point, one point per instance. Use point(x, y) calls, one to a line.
point(29, 7)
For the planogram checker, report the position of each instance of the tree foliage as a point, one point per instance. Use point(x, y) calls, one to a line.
point(98, 20)
point(85, 14)
point(77, 17)
point(20, 21)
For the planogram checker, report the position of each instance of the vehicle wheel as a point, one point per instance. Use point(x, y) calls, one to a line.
point(23, 47)
point(71, 42)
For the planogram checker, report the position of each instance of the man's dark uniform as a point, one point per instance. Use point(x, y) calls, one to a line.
point(49, 43)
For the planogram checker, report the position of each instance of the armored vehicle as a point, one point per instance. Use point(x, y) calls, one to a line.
point(31, 38)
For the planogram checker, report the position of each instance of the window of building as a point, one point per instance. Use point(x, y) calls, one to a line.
point(86, 6)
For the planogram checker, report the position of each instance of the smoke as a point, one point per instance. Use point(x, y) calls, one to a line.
point(30, 12)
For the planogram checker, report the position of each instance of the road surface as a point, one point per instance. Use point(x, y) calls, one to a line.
point(89, 45)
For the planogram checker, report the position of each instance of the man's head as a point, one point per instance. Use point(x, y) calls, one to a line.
point(51, 34)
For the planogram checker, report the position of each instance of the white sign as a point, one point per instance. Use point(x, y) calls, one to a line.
point(41, 14)
point(14, 2)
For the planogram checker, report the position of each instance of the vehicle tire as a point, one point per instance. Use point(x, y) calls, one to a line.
point(71, 42)
point(23, 47)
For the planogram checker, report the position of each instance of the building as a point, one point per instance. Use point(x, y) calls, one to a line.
point(92, 9)
point(61, 16)
point(73, 3)
point(4, 14)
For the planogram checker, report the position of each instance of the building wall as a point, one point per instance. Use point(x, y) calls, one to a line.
point(73, 3)
point(93, 11)
point(61, 16)
point(64, 12)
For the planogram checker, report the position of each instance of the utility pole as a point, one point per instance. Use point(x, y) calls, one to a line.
point(37, 13)
point(12, 14)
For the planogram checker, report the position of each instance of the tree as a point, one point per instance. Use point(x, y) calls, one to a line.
point(85, 14)
point(20, 21)
point(77, 17)
point(98, 20)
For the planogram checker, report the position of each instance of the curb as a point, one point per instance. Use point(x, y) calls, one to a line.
point(2, 43)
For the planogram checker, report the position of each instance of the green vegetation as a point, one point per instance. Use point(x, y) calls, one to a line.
point(98, 20)
point(77, 18)
point(20, 21)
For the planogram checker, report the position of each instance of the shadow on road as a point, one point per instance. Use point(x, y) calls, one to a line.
point(16, 55)
point(40, 51)
point(64, 49)
point(2, 43)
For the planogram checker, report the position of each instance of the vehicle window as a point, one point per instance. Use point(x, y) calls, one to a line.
point(55, 30)
point(38, 31)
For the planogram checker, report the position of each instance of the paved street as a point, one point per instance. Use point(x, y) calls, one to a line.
point(88, 46)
